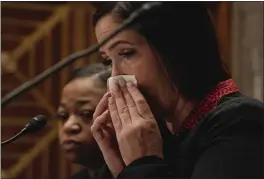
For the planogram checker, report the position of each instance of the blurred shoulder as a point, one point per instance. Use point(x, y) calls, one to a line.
point(234, 112)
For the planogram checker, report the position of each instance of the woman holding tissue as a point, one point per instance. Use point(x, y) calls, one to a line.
point(185, 118)
point(75, 113)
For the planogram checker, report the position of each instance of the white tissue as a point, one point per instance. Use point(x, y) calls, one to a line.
point(127, 78)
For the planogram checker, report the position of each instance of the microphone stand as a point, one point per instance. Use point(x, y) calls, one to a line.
point(36, 123)
point(69, 60)
point(14, 137)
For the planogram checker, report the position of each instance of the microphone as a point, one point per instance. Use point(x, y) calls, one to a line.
point(86, 52)
point(35, 124)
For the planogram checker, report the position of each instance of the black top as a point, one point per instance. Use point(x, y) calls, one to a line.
point(82, 174)
point(226, 143)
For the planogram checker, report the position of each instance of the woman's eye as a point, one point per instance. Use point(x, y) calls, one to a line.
point(107, 62)
point(86, 115)
point(62, 116)
point(127, 54)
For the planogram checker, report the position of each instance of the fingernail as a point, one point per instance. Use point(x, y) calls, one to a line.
point(129, 84)
point(122, 82)
point(106, 112)
point(110, 100)
point(114, 86)
point(107, 94)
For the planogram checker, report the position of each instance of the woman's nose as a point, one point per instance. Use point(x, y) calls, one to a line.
point(72, 125)
point(116, 70)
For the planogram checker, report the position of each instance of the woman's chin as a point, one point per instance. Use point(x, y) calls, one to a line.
point(71, 156)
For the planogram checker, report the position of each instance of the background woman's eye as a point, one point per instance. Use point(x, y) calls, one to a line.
point(62, 116)
point(127, 53)
point(86, 115)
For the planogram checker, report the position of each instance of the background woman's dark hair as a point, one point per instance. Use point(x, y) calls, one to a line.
point(183, 35)
point(102, 71)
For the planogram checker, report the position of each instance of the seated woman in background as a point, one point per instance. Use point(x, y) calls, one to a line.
point(186, 118)
point(79, 99)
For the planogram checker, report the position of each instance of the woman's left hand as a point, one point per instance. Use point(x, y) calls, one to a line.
point(136, 129)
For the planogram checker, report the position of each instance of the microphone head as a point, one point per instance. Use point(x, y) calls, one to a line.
point(36, 123)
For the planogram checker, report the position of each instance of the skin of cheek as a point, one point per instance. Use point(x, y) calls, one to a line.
point(152, 80)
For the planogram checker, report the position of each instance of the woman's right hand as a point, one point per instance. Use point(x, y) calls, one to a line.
point(104, 134)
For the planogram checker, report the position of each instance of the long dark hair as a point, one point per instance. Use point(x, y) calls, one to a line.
point(183, 35)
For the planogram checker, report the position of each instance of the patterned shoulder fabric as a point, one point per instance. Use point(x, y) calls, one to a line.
point(209, 103)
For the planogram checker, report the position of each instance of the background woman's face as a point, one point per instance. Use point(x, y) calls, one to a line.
point(129, 53)
point(78, 102)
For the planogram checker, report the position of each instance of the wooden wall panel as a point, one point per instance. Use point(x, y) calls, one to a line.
point(43, 99)
point(69, 36)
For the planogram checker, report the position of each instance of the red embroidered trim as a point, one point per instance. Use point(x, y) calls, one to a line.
point(210, 102)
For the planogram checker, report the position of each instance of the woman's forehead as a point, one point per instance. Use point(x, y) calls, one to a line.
point(107, 25)
point(82, 87)
point(81, 95)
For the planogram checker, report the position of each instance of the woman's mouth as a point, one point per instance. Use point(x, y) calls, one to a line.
point(69, 145)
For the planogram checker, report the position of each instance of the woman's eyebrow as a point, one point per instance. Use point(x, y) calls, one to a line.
point(113, 45)
point(81, 102)
point(116, 43)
